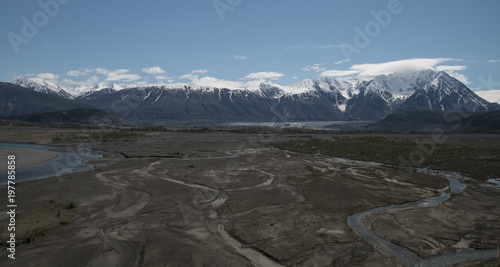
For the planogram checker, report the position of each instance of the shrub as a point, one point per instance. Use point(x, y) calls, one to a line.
point(71, 205)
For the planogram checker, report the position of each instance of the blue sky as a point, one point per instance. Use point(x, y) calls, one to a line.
point(243, 42)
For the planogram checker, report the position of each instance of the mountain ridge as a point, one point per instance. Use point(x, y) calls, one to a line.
point(17, 100)
point(349, 98)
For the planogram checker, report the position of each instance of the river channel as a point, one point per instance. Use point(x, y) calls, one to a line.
point(66, 162)
point(404, 255)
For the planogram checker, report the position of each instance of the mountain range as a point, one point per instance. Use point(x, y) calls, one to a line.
point(350, 98)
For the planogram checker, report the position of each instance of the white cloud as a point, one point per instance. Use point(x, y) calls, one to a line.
point(211, 81)
point(342, 61)
point(459, 76)
point(413, 64)
point(153, 70)
point(214, 82)
point(92, 79)
point(316, 67)
point(47, 76)
point(338, 73)
point(122, 75)
point(490, 95)
point(327, 46)
point(240, 57)
point(200, 71)
point(188, 76)
point(493, 61)
point(450, 68)
point(76, 73)
point(24, 75)
point(102, 71)
point(264, 75)
point(254, 80)
point(169, 79)
point(160, 77)
point(69, 81)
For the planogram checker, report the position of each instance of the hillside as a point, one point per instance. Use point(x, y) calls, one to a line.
point(314, 99)
point(75, 116)
point(425, 120)
point(17, 100)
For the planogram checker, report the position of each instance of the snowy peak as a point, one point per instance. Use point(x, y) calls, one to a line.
point(445, 93)
point(403, 83)
point(270, 91)
point(398, 84)
point(96, 93)
point(311, 84)
point(347, 98)
point(347, 86)
point(444, 81)
point(43, 86)
point(68, 92)
point(112, 86)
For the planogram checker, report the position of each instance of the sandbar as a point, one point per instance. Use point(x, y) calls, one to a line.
point(25, 157)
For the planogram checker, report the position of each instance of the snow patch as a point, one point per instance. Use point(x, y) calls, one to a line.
point(342, 107)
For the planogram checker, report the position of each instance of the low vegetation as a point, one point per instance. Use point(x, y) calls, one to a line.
point(478, 159)
point(38, 222)
point(99, 136)
point(71, 205)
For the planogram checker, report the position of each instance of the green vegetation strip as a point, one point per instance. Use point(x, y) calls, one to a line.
point(478, 159)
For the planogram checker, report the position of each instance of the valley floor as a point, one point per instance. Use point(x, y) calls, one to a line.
point(215, 198)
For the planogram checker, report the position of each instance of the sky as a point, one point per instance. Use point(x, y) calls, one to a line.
point(240, 43)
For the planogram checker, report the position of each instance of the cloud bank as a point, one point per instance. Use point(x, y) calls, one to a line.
point(198, 77)
point(414, 64)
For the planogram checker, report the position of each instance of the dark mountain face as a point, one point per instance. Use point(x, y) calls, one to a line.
point(427, 120)
point(312, 99)
point(17, 100)
point(158, 103)
point(187, 103)
point(370, 104)
point(80, 116)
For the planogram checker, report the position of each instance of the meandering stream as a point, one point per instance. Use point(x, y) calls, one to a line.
point(386, 247)
point(404, 255)
point(73, 162)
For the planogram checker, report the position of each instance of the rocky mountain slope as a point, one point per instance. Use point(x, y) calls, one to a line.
point(351, 98)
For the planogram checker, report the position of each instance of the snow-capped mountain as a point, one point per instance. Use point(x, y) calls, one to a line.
point(44, 86)
point(445, 93)
point(65, 91)
point(347, 86)
point(403, 83)
point(350, 98)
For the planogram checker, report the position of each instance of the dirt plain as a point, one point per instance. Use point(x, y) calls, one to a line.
point(218, 198)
